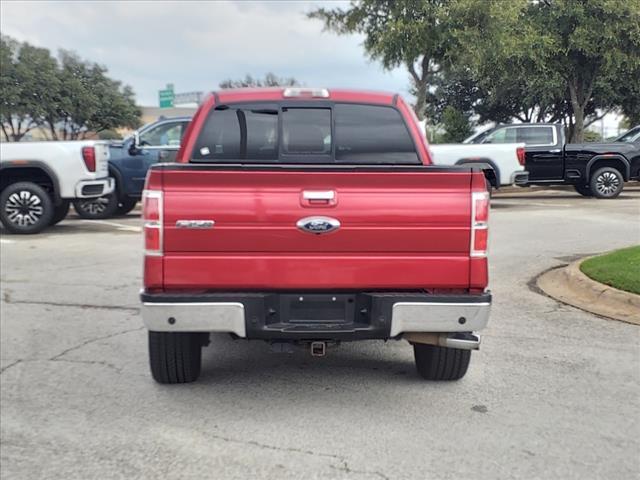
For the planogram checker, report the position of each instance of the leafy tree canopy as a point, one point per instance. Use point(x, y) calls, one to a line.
point(456, 125)
point(408, 33)
point(533, 60)
point(28, 80)
point(68, 95)
point(269, 80)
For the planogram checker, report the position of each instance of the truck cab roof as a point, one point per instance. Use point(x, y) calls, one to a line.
point(303, 93)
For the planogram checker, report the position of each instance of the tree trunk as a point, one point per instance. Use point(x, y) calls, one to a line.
point(52, 130)
point(421, 101)
point(578, 126)
point(6, 134)
point(420, 83)
point(577, 132)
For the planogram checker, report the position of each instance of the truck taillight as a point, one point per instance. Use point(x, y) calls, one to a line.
point(152, 218)
point(521, 156)
point(479, 224)
point(89, 157)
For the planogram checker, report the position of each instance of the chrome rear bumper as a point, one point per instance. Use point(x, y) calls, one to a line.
point(438, 317)
point(445, 320)
point(224, 317)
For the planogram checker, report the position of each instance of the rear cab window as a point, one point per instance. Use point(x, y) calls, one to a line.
point(372, 134)
point(323, 133)
point(503, 135)
point(536, 136)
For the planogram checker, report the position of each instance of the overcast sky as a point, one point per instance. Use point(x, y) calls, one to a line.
point(195, 45)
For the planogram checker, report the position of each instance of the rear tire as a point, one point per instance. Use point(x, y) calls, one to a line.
point(25, 208)
point(606, 182)
point(175, 357)
point(126, 205)
point(97, 208)
point(490, 188)
point(584, 190)
point(60, 212)
point(441, 363)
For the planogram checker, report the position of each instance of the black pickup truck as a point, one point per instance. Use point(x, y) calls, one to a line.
point(594, 169)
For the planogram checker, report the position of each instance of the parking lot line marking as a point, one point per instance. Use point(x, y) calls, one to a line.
point(6, 240)
point(534, 204)
point(120, 226)
point(548, 204)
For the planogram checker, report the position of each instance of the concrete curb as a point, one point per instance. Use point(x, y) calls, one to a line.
point(511, 190)
point(569, 285)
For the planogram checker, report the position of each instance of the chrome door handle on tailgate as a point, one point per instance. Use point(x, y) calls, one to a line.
point(318, 198)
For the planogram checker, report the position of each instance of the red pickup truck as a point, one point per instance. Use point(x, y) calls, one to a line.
point(312, 217)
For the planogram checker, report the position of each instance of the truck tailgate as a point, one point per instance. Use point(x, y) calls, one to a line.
point(398, 228)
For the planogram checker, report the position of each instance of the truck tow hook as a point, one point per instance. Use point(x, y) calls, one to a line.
point(318, 349)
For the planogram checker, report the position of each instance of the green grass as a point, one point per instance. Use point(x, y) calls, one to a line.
point(619, 269)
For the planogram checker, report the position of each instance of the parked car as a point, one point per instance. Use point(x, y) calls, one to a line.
point(594, 169)
point(128, 164)
point(478, 137)
point(311, 216)
point(630, 136)
point(505, 162)
point(39, 179)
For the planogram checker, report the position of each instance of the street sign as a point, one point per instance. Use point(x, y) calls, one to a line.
point(166, 96)
point(188, 97)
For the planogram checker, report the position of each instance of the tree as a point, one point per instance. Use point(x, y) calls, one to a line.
point(269, 80)
point(569, 61)
point(628, 90)
point(70, 96)
point(88, 101)
point(563, 58)
point(27, 84)
point(408, 33)
point(456, 125)
point(591, 136)
point(589, 44)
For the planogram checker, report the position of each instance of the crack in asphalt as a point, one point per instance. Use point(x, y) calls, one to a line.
point(7, 299)
point(344, 464)
point(13, 364)
point(58, 356)
point(58, 284)
point(87, 362)
point(92, 340)
point(345, 468)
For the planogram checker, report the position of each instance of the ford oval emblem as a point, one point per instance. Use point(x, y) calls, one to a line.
point(318, 225)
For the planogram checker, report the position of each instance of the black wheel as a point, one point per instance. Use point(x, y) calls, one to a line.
point(606, 182)
point(441, 363)
point(60, 212)
point(175, 357)
point(584, 190)
point(490, 188)
point(126, 205)
point(96, 208)
point(25, 208)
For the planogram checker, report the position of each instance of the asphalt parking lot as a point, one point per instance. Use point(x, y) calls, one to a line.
point(554, 391)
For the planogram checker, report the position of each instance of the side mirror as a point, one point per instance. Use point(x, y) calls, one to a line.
point(137, 147)
point(134, 146)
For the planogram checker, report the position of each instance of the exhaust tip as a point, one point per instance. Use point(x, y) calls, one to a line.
point(462, 341)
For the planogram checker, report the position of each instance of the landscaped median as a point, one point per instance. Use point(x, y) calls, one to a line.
point(607, 285)
point(619, 269)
